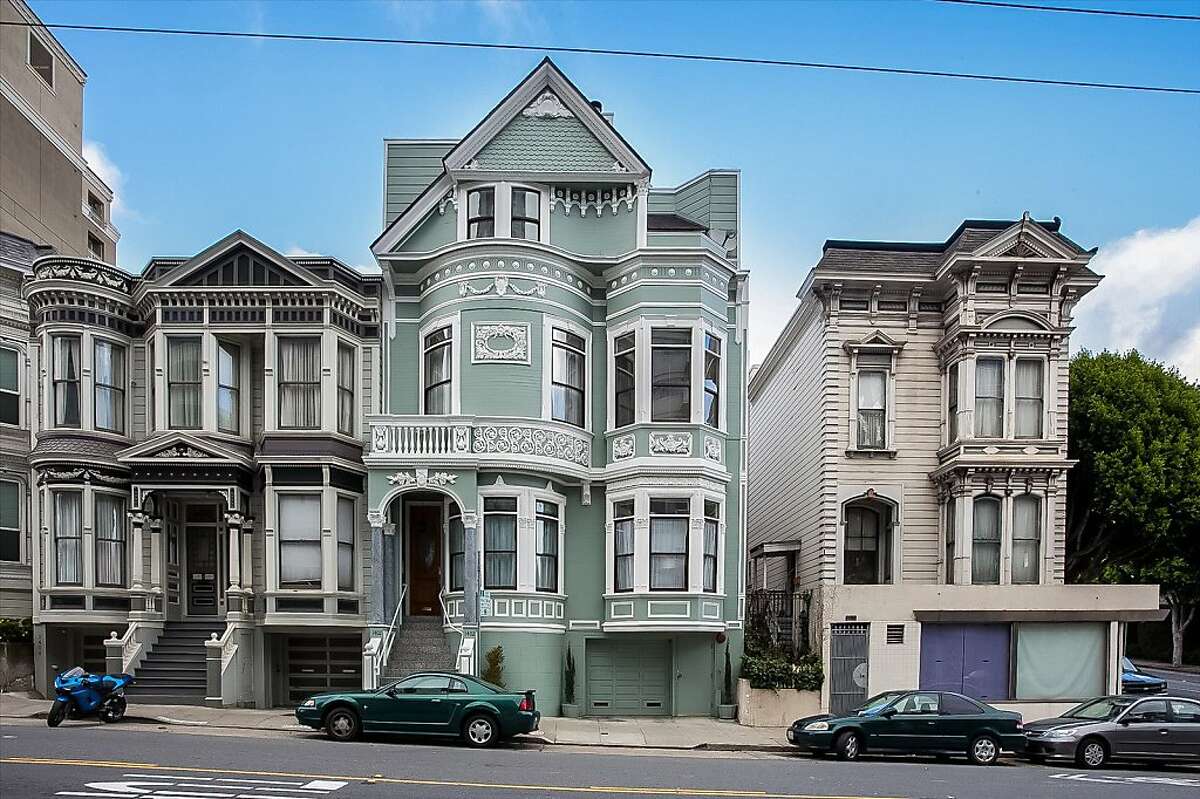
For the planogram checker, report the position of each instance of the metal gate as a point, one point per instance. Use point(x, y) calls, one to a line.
point(847, 666)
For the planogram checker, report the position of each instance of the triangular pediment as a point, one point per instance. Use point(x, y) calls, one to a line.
point(177, 447)
point(876, 340)
point(240, 260)
point(1025, 239)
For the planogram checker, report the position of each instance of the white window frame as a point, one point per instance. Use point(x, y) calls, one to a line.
point(1004, 520)
point(356, 556)
point(549, 498)
point(1010, 529)
point(126, 395)
point(166, 393)
point(889, 441)
point(454, 322)
point(355, 385)
point(953, 431)
point(447, 515)
point(1005, 398)
point(87, 404)
point(323, 409)
point(275, 495)
point(636, 330)
point(19, 391)
point(84, 533)
point(127, 540)
point(220, 341)
point(503, 209)
point(966, 534)
point(85, 410)
point(548, 325)
point(22, 518)
point(641, 544)
point(51, 86)
point(526, 570)
point(1011, 398)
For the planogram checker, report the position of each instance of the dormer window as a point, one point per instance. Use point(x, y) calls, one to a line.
point(481, 213)
point(526, 214)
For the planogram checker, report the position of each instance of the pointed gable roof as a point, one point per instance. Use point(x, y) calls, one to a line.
point(178, 447)
point(219, 264)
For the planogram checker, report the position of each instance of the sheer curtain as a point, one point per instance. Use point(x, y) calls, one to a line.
point(500, 550)
point(110, 540)
point(346, 389)
point(989, 398)
point(68, 535)
point(567, 379)
point(1027, 535)
point(985, 549)
point(229, 358)
point(457, 549)
point(1060, 661)
point(108, 374)
point(183, 383)
point(66, 381)
point(711, 528)
point(951, 507)
point(547, 554)
point(300, 383)
point(1028, 389)
point(438, 371)
point(299, 540)
point(623, 547)
point(345, 543)
point(668, 551)
point(872, 416)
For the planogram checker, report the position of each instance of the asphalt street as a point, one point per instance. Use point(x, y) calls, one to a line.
point(83, 759)
point(1179, 683)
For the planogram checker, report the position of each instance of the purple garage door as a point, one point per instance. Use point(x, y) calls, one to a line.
point(971, 659)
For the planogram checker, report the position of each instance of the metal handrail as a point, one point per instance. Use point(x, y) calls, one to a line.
point(462, 635)
point(389, 637)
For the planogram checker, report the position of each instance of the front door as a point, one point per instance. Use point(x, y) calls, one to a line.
point(424, 559)
point(202, 570)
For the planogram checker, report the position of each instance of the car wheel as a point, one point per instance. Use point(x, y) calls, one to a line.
point(58, 712)
point(480, 731)
point(342, 724)
point(848, 746)
point(1091, 753)
point(114, 710)
point(984, 750)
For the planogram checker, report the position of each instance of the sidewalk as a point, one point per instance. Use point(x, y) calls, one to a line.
point(672, 733)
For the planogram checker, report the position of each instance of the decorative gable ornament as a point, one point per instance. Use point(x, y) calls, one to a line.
point(182, 450)
point(422, 478)
point(502, 342)
point(547, 105)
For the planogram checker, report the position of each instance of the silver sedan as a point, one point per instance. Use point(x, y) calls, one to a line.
point(1162, 729)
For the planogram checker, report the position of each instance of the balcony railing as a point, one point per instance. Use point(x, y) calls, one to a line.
point(481, 438)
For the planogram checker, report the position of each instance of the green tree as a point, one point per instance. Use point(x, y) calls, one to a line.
point(1133, 513)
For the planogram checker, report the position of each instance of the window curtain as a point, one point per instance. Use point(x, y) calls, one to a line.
point(300, 383)
point(547, 554)
point(108, 373)
point(66, 381)
point(438, 375)
point(712, 380)
point(457, 552)
point(228, 385)
point(68, 537)
point(346, 389)
point(623, 553)
point(668, 553)
point(872, 416)
point(1060, 661)
point(951, 513)
point(499, 550)
point(989, 398)
point(985, 549)
point(183, 382)
point(1028, 389)
point(1027, 538)
point(952, 403)
point(345, 543)
point(710, 554)
point(862, 546)
point(299, 531)
point(110, 540)
point(10, 520)
point(10, 397)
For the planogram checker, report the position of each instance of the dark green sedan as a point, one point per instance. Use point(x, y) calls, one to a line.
point(933, 722)
point(429, 703)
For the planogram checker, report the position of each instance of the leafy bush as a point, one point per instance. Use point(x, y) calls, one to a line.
point(16, 631)
point(775, 672)
point(493, 672)
point(809, 673)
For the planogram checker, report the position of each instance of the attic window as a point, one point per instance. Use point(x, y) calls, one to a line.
point(41, 60)
point(481, 213)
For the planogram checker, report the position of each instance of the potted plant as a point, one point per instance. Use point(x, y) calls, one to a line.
point(727, 709)
point(569, 708)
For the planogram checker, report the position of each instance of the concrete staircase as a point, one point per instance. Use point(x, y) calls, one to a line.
point(173, 673)
point(420, 645)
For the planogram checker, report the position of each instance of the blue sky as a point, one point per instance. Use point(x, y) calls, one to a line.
point(284, 139)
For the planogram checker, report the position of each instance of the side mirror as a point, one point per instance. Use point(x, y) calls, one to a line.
point(391, 692)
point(888, 712)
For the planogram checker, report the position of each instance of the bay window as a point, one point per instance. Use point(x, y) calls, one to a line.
point(712, 380)
point(345, 388)
point(299, 532)
point(1028, 388)
point(66, 381)
point(229, 363)
point(500, 543)
point(872, 409)
point(624, 378)
point(10, 520)
point(623, 545)
point(567, 379)
point(989, 398)
point(10, 390)
point(712, 527)
point(345, 543)
point(526, 214)
point(1027, 538)
point(438, 372)
point(547, 545)
point(300, 383)
point(952, 404)
point(183, 383)
point(108, 375)
point(457, 548)
point(985, 541)
point(68, 538)
point(671, 374)
point(481, 213)
point(668, 544)
point(109, 525)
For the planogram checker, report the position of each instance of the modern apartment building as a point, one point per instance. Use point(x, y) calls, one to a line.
point(908, 469)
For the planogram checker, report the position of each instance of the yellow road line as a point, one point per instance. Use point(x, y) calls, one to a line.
point(592, 789)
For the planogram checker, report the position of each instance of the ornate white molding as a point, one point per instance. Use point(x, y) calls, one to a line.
point(501, 285)
point(671, 443)
point(597, 200)
point(712, 448)
point(547, 106)
point(485, 335)
point(622, 448)
point(469, 519)
point(182, 450)
point(527, 440)
point(451, 198)
point(421, 479)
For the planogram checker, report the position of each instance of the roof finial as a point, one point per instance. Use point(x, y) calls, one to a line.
point(1025, 216)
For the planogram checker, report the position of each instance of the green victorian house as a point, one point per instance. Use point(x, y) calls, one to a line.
point(558, 464)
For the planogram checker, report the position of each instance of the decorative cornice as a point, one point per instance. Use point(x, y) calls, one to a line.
point(422, 478)
point(182, 450)
point(671, 443)
point(501, 285)
point(596, 200)
point(56, 267)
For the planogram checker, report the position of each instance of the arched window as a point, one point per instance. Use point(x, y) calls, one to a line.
point(985, 542)
point(866, 555)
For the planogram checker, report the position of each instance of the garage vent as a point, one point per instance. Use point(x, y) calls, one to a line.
point(895, 633)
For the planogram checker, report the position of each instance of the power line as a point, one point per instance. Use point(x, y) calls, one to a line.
point(721, 59)
point(1106, 12)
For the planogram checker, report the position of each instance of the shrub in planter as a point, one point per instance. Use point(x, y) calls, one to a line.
point(493, 672)
point(809, 673)
point(16, 631)
point(775, 672)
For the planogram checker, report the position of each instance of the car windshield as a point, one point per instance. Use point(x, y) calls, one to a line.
point(1127, 665)
point(877, 703)
point(1099, 709)
point(75, 672)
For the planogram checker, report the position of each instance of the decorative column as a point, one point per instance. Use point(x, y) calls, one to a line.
point(471, 573)
point(247, 565)
point(375, 519)
point(233, 593)
point(137, 520)
point(390, 593)
point(154, 602)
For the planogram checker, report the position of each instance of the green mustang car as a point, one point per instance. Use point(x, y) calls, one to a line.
point(933, 722)
point(429, 703)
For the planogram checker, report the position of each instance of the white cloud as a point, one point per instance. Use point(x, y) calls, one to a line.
point(1146, 276)
point(299, 251)
point(113, 177)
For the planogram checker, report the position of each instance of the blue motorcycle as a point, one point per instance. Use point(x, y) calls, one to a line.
point(81, 694)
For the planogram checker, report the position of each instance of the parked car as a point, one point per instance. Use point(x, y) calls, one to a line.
point(428, 703)
point(1162, 728)
point(933, 722)
point(1136, 681)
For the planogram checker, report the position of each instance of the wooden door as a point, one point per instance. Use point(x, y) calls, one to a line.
point(424, 559)
point(203, 576)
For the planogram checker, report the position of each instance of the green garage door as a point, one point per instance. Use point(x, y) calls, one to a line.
point(628, 678)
